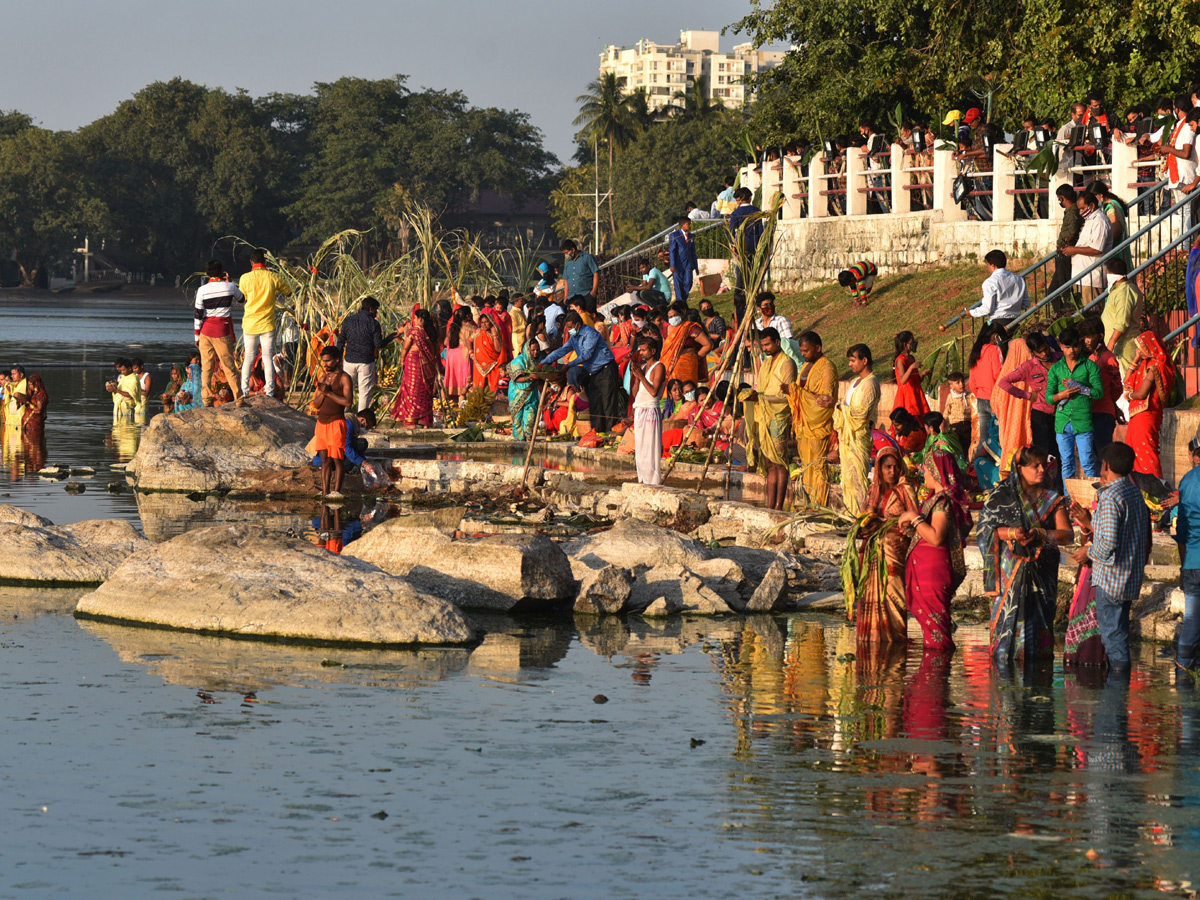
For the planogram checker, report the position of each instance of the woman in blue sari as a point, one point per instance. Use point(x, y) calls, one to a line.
point(1020, 530)
point(191, 386)
point(523, 393)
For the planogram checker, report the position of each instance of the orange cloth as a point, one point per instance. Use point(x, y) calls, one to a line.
point(1011, 412)
point(488, 362)
point(681, 353)
point(331, 437)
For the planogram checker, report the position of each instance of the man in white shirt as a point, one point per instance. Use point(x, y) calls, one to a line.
point(768, 318)
point(1070, 157)
point(1004, 292)
point(1180, 155)
point(1095, 239)
point(693, 212)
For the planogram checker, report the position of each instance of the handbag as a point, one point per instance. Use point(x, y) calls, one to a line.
point(962, 188)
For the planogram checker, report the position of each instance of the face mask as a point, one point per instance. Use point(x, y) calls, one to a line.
point(674, 320)
point(689, 396)
point(639, 324)
point(572, 332)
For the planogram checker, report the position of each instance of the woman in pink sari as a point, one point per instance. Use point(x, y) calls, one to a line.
point(935, 558)
point(414, 405)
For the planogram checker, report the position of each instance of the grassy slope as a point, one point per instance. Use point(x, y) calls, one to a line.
point(918, 302)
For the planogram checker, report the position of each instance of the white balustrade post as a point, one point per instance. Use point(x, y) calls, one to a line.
point(1004, 179)
point(945, 170)
point(856, 201)
point(793, 184)
point(900, 200)
point(1060, 178)
point(1124, 170)
point(818, 203)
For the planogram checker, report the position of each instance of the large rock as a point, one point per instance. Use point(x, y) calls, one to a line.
point(771, 591)
point(236, 580)
point(503, 572)
point(682, 590)
point(217, 448)
point(80, 555)
point(674, 507)
point(603, 591)
point(632, 543)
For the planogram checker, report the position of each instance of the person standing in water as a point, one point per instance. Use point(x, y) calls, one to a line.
point(334, 394)
point(143, 377)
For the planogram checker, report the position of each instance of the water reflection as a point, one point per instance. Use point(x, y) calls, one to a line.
point(1069, 777)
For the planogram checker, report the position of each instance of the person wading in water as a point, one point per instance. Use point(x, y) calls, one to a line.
point(335, 393)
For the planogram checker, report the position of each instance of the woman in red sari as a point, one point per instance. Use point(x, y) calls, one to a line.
point(1148, 387)
point(489, 352)
point(414, 405)
point(685, 347)
point(935, 560)
point(909, 393)
point(875, 601)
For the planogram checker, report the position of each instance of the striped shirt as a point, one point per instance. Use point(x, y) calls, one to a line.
point(1121, 540)
point(214, 308)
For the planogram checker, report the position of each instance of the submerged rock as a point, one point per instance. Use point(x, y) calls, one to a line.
point(34, 551)
point(501, 572)
point(212, 449)
point(234, 580)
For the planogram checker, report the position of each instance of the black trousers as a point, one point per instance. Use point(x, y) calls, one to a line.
point(1041, 426)
point(603, 388)
point(1062, 274)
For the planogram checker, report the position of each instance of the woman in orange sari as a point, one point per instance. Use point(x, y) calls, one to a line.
point(489, 353)
point(1011, 412)
point(685, 346)
point(1148, 387)
point(875, 594)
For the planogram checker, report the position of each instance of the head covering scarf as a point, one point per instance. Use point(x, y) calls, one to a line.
point(1012, 412)
point(1148, 343)
point(878, 492)
point(949, 476)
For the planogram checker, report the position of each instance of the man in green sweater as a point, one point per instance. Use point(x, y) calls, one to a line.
point(1071, 385)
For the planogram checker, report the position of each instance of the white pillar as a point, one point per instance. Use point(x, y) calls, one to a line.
point(793, 184)
point(1124, 172)
point(818, 203)
point(856, 201)
point(945, 169)
point(900, 199)
point(1004, 179)
point(1061, 177)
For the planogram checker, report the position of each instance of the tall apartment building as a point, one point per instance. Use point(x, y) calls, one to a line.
point(663, 70)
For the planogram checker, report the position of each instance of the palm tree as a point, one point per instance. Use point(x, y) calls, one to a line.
point(606, 117)
point(695, 103)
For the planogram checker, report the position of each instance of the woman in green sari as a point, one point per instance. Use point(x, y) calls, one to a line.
point(1118, 214)
point(523, 393)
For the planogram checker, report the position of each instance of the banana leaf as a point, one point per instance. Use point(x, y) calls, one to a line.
point(854, 573)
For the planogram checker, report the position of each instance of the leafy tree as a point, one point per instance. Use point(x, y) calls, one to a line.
point(695, 103)
point(864, 58)
point(572, 213)
point(668, 165)
point(608, 119)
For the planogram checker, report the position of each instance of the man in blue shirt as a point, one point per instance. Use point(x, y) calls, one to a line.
point(754, 229)
point(1119, 550)
point(594, 370)
point(681, 250)
point(1187, 533)
point(580, 271)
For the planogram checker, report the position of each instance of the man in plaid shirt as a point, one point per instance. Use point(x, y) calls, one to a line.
point(1119, 550)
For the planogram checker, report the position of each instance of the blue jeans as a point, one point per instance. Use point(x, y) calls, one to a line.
point(1068, 441)
point(1113, 619)
point(1189, 632)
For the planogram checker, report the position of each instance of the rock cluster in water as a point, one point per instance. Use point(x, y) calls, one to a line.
point(34, 550)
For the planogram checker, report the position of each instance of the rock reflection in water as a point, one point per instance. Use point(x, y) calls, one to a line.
point(848, 742)
point(31, 602)
point(223, 664)
point(515, 649)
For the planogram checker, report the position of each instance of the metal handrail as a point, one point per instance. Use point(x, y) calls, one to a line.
point(656, 239)
point(1024, 274)
point(1181, 329)
point(1138, 270)
point(1104, 257)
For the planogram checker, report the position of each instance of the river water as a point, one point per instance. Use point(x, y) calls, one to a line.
point(765, 757)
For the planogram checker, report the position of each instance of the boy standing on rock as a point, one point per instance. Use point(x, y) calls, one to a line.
point(335, 393)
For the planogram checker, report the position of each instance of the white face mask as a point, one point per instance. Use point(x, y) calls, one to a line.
point(572, 332)
point(674, 320)
point(689, 396)
point(639, 324)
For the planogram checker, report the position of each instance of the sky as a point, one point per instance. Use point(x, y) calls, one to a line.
point(67, 62)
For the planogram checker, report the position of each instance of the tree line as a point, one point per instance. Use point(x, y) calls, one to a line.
point(179, 165)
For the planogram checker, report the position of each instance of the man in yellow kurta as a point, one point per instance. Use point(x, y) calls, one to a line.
point(769, 417)
point(1122, 316)
point(853, 418)
point(16, 395)
point(812, 398)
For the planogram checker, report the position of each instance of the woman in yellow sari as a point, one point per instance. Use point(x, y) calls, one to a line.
point(853, 418)
point(769, 418)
